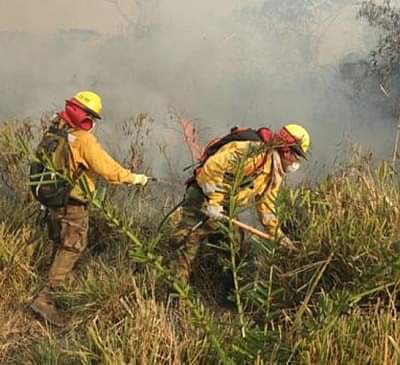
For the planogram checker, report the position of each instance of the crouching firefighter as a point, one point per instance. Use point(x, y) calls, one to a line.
point(207, 195)
point(68, 148)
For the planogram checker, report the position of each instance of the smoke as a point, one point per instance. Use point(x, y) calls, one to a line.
point(222, 63)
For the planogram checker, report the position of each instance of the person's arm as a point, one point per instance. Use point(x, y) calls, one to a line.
point(212, 178)
point(102, 164)
point(266, 209)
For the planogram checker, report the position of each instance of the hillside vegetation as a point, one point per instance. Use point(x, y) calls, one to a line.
point(332, 302)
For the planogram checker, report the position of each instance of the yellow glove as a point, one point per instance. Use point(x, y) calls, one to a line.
point(139, 179)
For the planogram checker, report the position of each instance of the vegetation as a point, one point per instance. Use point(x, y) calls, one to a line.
point(375, 80)
point(333, 301)
point(384, 59)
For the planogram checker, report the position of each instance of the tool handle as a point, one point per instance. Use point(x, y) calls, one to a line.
point(250, 229)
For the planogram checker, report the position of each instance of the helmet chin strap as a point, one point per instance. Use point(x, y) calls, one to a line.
point(91, 130)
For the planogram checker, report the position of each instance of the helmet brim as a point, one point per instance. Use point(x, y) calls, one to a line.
point(92, 113)
point(85, 108)
point(299, 151)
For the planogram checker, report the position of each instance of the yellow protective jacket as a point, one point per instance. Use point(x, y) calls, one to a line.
point(215, 179)
point(88, 153)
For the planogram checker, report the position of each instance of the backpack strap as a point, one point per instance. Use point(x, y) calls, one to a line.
point(80, 169)
point(236, 134)
point(67, 154)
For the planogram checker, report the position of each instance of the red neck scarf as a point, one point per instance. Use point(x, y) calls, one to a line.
point(75, 115)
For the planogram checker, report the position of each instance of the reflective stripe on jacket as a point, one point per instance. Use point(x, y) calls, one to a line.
point(215, 179)
point(88, 153)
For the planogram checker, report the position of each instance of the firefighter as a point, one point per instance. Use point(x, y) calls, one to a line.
point(206, 199)
point(68, 222)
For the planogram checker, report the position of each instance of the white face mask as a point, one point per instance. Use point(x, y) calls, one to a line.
point(293, 167)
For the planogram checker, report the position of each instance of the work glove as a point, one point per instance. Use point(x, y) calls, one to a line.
point(215, 211)
point(284, 242)
point(140, 179)
point(288, 244)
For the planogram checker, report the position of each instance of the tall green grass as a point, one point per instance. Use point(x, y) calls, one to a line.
point(333, 301)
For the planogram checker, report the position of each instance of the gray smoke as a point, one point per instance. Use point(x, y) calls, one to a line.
point(220, 63)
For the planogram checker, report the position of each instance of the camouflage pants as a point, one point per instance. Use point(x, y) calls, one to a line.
point(68, 229)
point(192, 229)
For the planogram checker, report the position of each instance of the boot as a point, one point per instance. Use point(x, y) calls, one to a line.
point(45, 307)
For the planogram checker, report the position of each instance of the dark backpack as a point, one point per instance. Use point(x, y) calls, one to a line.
point(236, 134)
point(48, 173)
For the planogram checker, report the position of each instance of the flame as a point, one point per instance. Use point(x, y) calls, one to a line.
point(191, 139)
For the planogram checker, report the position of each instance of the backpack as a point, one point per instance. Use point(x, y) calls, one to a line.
point(264, 135)
point(51, 188)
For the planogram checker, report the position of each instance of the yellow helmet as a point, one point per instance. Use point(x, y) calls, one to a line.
point(91, 101)
point(300, 134)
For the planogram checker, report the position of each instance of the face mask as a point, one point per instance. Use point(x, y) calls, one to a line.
point(293, 167)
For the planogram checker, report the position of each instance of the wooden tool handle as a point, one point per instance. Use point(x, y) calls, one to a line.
point(250, 229)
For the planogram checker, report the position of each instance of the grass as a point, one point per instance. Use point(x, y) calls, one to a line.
point(334, 301)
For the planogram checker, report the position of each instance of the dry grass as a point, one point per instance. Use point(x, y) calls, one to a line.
point(334, 301)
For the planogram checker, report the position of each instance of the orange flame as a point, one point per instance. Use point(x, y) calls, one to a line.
point(191, 139)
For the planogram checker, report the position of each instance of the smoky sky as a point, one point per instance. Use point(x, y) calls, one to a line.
point(221, 63)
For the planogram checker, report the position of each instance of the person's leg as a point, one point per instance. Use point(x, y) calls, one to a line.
point(74, 230)
point(54, 217)
point(190, 230)
point(69, 228)
point(223, 250)
point(185, 242)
